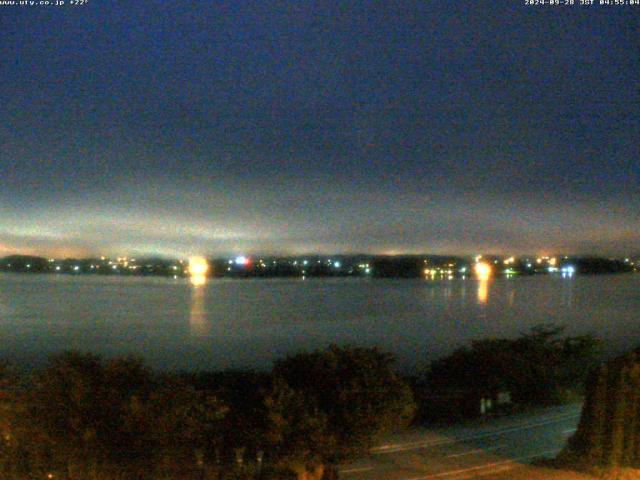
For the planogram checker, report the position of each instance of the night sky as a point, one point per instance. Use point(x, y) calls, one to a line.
point(219, 127)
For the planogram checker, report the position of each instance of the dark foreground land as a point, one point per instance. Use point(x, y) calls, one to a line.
point(83, 417)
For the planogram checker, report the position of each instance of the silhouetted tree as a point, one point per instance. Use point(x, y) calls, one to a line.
point(608, 434)
point(535, 367)
point(356, 389)
point(296, 432)
point(86, 418)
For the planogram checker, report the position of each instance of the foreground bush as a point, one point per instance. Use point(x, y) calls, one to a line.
point(82, 417)
point(85, 418)
point(539, 367)
point(354, 392)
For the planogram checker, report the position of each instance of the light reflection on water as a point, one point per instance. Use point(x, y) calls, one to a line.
point(177, 324)
point(483, 290)
point(198, 321)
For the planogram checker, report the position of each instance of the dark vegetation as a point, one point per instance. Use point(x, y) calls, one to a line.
point(608, 435)
point(541, 367)
point(82, 417)
point(595, 265)
point(398, 267)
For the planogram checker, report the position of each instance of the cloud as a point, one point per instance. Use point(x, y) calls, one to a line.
point(200, 216)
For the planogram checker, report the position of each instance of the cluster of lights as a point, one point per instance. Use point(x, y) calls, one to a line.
point(242, 261)
point(438, 271)
point(366, 267)
point(552, 261)
point(448, 270)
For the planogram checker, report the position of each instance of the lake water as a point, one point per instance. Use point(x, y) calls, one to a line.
point(249, 323)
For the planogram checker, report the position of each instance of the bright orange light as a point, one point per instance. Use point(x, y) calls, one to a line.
point(198, 266)
point(483, 270)
point(197, 280)
point(553, 261)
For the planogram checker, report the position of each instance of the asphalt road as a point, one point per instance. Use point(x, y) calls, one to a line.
point(472, 450)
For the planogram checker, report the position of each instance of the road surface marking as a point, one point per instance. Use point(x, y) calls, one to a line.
point(477, 450)
point(393, 448)
point(570, 430)
point(483, 467)
point(354, 470)
point(504, 468)
point(522, 426)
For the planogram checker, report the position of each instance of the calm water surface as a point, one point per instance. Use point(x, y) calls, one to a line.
point(249, 323)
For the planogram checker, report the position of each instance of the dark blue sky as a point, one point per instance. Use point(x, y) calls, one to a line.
point(227, 127)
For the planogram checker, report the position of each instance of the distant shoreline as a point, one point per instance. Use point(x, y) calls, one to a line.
point(336, 266)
